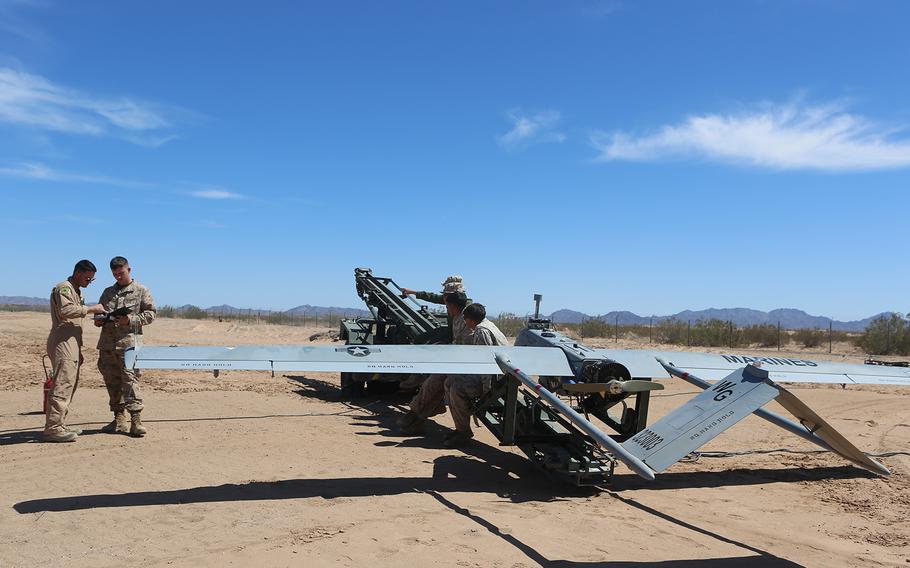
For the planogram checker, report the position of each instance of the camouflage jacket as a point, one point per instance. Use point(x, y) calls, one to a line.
point(461, 333)
point(139, 300)
point(486, 333)
point(437, 298)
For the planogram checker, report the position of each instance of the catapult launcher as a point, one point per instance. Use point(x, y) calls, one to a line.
point(396, 320)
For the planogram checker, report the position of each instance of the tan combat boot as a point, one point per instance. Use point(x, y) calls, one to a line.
point(117, 425)
point(137, 430)
point(59, 436)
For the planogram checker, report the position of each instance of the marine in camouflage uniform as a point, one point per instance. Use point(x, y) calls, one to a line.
point(462, 389)
point(429, 400)
point(453, 283)
point(116, 337)
point(64, 348)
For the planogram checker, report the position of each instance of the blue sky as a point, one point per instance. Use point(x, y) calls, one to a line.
point(650, 156)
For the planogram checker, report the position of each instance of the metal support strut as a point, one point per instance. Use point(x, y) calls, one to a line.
point(577, 419)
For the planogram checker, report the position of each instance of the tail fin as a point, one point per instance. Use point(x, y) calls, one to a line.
point(702, 418)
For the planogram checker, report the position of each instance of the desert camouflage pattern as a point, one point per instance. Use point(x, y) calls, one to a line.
point(123, 383)
point(461, 333)
point(453, 283)
point(462, 389)
point(436, 298)
point(139, 300)
point(429, 399)
point(486, 333)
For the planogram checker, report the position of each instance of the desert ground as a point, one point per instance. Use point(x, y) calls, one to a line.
point(248, 469)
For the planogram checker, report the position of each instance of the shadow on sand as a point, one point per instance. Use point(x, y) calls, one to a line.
point(32, 435)
point(379, 415)
point(451, 475)
point(479, 468)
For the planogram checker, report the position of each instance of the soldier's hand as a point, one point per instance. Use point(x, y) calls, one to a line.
point(96, 309)
point(408, 291)
point(122, 320)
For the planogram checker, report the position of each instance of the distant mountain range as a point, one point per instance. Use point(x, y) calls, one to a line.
point(302, 310)
point(789, 318)
point(23, 301)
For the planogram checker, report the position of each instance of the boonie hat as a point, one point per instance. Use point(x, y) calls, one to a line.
point(453, 284)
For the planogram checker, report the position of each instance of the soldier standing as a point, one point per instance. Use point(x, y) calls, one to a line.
point(64, 347)
point(116, 337)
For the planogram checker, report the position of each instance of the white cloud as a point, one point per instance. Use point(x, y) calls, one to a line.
point(41, 172)
point(526, 130)
point(790, 136)
point(215, 193)
point(33, 101)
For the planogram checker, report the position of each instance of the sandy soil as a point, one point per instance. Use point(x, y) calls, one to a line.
point(248, 469)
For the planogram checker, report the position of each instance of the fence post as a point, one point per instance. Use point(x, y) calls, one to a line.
point(689, 333)
point(778, 335)
point(616, 330)
point(829, 336)
point(650, 327)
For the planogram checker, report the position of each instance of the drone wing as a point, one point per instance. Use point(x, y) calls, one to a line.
point(714, 367)
point(442, 359)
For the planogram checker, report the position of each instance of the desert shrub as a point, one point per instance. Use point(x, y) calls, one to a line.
point(671, 330)
point(20, 308)
point(195, 312)
point(633, 331)
point(844, 336)
point(167, 312)
point(763, 335)
point(509, 323)
point(810, 337)
point(276, 318)
point(594, 327)
point(887, 336)
point(710, 333)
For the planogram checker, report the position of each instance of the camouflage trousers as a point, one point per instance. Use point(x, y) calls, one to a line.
point(122, 383)
point(67, 360)
point(461, 390)
point(429, 399)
